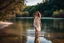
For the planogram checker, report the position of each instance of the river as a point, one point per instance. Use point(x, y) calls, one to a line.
point(22, 31)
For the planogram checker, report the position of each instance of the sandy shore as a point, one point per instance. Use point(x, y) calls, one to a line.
point(4, 24)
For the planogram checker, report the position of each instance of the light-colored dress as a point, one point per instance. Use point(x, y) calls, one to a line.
point(37, 23)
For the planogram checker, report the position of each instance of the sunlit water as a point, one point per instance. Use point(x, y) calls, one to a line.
point(22, 31)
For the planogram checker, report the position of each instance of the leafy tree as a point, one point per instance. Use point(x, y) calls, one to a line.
point(10, 7)
point(47, 8)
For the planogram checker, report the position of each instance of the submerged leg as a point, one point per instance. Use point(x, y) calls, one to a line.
point(37, 39)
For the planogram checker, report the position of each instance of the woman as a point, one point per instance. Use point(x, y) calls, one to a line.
point(37, 21)
point(37, 25)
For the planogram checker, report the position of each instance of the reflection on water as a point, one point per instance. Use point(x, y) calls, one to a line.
point(22, 31)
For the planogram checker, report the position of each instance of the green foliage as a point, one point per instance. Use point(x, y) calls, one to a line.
point(46, 8)
point(58, 13)
point(10, 7)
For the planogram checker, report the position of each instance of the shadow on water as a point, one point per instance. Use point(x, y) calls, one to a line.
point(22, 31)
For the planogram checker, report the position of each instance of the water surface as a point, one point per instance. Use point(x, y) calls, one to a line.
point(22, 31)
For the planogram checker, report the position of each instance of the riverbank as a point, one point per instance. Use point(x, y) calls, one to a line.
point(41, 18)
point(4, 24)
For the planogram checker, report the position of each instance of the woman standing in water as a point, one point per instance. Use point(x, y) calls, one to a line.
point(37, 26)
point(37, 21)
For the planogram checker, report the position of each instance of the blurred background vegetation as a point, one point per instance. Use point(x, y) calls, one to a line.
point(9, 8)
point(18, 8)
point(48, 8)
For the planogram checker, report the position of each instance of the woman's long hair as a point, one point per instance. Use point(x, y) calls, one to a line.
point(38, 14)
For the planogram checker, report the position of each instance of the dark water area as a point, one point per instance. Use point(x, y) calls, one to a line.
point(22, 31)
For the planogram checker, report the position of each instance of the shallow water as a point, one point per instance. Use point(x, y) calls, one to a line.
point(22, 31)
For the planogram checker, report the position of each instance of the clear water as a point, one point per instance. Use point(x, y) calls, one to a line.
point(22, 31)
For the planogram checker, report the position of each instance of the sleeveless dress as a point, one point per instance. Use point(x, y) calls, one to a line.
point(37, 23)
